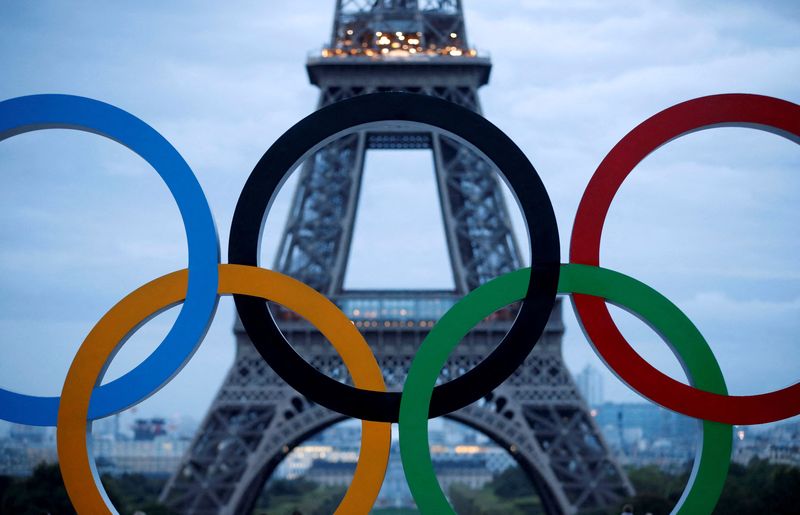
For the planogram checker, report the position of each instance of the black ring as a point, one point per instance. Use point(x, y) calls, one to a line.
point(469, 127)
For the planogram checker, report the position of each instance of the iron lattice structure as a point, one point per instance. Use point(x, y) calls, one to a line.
point(537, 414)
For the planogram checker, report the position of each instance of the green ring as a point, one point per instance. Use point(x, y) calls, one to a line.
point(713, 457)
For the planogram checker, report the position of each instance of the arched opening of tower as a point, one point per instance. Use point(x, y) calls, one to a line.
point(474, 471)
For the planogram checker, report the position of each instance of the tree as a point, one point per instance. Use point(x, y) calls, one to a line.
point(512, 483)
point(43, 492)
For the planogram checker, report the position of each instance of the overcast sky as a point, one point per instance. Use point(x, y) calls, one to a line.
point(709, 220)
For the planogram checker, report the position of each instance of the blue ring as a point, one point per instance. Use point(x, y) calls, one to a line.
point(36, 112)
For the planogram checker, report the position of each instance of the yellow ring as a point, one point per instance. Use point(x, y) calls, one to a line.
point(86, 371)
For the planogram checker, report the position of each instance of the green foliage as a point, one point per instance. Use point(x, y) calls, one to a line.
point(652, 481)
point(510, 493)
point(5, 484)
point(759, 488)
point(512, 483)
point(39, 494)
point(135, 492)
point(285, 497)
point(44, 492)
point(286, 487)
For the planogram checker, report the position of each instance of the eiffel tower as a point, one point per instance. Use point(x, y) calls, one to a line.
point(537, 414)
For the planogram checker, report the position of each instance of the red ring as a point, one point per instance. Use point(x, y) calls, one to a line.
point(737, 110)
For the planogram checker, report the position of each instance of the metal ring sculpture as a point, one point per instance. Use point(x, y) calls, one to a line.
point(198, 287)
point(322, 126)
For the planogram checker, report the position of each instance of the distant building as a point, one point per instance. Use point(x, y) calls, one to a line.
point(152, 451)
point(784, 454)
point(590, 384)
point(33, 435)
point(464, 467)
point(19, 458)
point(331, 473)
point(157, 457)
point(25, 447)
point(469, 472)
point(302, 458)
point(647, 434)
point(459, 454)
point(776, 443)
point(149, 429)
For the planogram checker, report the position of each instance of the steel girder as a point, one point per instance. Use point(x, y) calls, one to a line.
point(316, 240)
point(537, 415)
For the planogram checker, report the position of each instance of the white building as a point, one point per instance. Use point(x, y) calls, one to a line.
point(590, 384)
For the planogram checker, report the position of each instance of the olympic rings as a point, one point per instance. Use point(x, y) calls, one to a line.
point(37, 112)
point(713, 458)
point(77, 466)
point(325, 125)
point(591, 287)
point(759, 112)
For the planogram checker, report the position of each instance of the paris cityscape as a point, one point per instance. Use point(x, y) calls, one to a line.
point(499, 114)
point(640, 434)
